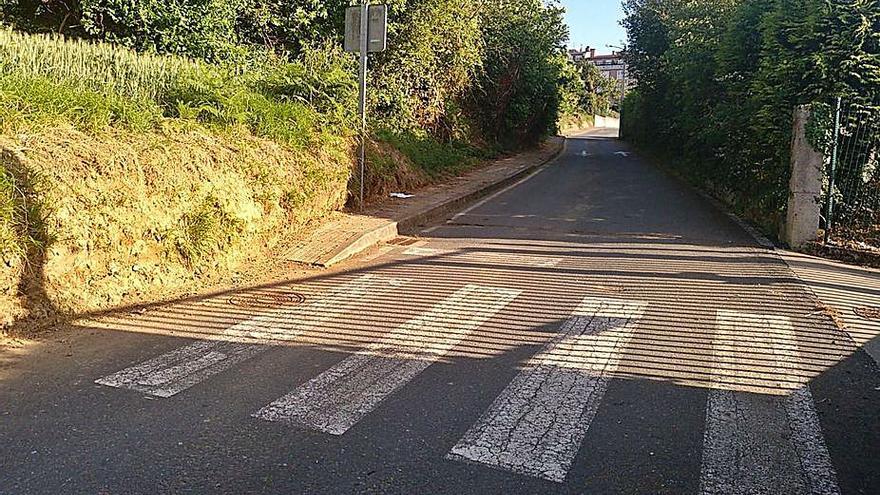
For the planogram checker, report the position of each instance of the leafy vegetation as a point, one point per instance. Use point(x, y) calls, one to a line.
point(717, 83)
point(434, 158)
point(448, 60)
point(600, 94)
point(175, 139)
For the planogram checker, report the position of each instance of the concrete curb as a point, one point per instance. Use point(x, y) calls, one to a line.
point(412, 223)
point(760, 238)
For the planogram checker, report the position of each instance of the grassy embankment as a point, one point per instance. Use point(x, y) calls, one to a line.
point(125, 177)
point(572, 123)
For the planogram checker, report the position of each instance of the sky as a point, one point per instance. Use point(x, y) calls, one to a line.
point(594, 23)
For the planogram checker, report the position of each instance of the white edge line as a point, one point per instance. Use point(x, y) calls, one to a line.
point(499, 193)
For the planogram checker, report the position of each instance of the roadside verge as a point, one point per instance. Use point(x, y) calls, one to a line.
point(345, 237)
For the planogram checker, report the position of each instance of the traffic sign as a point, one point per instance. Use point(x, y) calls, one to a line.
point(377, 29)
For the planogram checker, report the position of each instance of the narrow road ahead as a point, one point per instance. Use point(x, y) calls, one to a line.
point(597, 328)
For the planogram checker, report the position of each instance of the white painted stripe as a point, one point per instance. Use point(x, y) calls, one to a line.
point(424, 252)
point(514, 185)
point(484, 257)
point(337, 399)
point(536, 426)
point(180, 369)
point(502, 191)
point(762, 431)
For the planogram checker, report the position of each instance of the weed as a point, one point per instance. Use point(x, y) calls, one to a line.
point(432, 157)
point(205, 230)
point(10, 248)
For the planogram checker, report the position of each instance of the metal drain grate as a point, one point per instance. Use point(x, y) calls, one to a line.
point(868, 312)
point(266, 299)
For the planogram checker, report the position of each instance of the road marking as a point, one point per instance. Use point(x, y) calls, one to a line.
point(180, 369)
point(762, 431)
point(426, 252)
point(337, 399)
point(536, 426)
point(484, 257)
point(622, 153)
point(502, 191)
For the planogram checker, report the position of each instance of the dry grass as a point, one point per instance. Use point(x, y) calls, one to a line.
point(123, 206)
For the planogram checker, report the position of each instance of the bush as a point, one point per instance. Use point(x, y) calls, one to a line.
point(717, 82)
point(520, 97)
point(434, 56)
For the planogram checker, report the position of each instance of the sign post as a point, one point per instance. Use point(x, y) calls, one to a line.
point(365, 32)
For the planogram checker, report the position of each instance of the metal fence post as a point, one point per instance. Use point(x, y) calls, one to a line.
point(829, 206)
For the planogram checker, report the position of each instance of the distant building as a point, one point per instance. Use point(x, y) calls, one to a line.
point(612, 66)
point(581, 55)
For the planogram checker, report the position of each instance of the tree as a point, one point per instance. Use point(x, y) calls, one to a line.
point(717, 82)
point(600, 93)
point(524, 63)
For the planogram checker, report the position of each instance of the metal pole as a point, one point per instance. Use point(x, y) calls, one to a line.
point(362, 106)
point(829, 206)
point(620, 111)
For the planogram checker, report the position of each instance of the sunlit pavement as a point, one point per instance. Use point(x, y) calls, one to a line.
point(597, 328)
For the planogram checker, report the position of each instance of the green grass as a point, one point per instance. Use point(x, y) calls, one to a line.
point(44, 79)
point(205, 230)
point(432, 157)
point(10, 248)
point(33, 100)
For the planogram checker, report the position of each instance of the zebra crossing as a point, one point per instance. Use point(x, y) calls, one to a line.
point(180, 369)
point(335, 401)
point(483, 257)
point(758, 438)
point(748, 418)
point(536, 425)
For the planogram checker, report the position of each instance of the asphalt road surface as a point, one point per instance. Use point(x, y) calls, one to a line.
point(597, 328)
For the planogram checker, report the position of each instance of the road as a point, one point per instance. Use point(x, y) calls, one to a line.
point(597, 328)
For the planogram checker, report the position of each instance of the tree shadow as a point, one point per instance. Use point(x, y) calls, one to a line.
point(28, 218)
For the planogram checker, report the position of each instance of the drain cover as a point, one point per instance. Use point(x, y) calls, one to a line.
point(266, 299)
point(868, 312)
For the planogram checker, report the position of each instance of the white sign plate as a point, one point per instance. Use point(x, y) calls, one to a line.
point(378, 28)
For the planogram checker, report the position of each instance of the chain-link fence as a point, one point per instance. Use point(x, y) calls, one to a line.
point(852, 209)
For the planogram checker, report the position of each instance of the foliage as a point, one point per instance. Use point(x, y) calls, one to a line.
point(717, 82)
point(434, 158)
point(600, 93)
point(524, 62)
point(459, 69)
point(434, 56)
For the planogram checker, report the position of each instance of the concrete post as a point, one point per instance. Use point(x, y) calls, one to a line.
point(805, 187)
